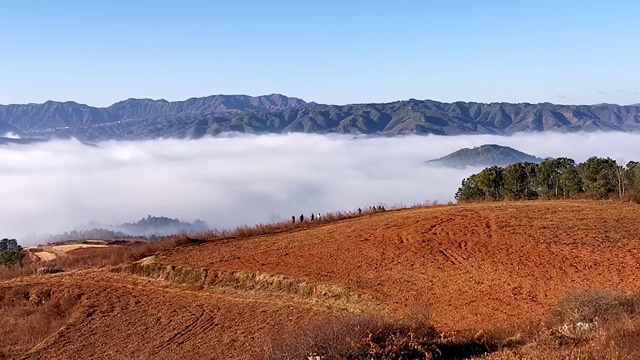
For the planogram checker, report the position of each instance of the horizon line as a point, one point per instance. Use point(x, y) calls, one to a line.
point(314, 102)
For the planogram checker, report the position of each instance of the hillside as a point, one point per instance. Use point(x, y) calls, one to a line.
point(8, 129)
point(484, 156)
point(476, 266)
point(197, 117)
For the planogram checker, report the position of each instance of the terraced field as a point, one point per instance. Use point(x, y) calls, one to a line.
point(477, 266)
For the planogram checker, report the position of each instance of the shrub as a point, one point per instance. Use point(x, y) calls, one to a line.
point(362, 336)
point(11, 257)
point(590, 306)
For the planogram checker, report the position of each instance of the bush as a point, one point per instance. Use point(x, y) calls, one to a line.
point(361, 336)
point(590, 306)
point(11, 257)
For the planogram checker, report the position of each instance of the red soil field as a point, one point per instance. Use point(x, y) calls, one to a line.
point(476, 266)
point(472, 266)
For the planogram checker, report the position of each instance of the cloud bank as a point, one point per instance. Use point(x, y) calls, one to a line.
point(11, 135)
point(61, 185)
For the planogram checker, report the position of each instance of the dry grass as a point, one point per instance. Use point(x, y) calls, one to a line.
point(366, 336)
point(30, 315)
point(591, 306)
point(107, 256)
point(336, 296)
point(70, 247)
point(586, 325)
point(45, 255)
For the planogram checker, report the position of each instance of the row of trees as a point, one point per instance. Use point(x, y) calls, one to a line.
point(597, 177)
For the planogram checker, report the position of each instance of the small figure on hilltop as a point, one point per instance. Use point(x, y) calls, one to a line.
point(293, 219)
point(318, 217)
point(301, 217)
point(359, 211)
point(312, 217)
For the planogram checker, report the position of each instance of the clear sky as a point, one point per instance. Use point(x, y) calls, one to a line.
point(329, 51)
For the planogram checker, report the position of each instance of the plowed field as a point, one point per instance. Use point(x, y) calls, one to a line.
point(472, 266)
point(476, 266)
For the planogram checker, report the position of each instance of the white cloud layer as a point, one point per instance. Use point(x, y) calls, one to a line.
point(11, 135)
point(57, 186)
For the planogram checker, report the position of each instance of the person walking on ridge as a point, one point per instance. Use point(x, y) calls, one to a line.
point(301, 217)
point(293, 219)
point(359, 211)
point(312, 216)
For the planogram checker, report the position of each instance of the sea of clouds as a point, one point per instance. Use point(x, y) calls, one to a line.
point(57, 186)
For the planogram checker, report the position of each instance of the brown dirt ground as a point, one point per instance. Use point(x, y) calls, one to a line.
point(472, 266)
point(120, 316)
point(476, 266)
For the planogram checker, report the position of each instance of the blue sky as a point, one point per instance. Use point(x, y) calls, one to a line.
point(337, 52)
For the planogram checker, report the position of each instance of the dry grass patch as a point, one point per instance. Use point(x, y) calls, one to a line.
point(586, 325)
point(250, 282)
point(70, 247)
point(366, 336)
point(589, 306)
point(32, 314)
point(107, 256)
point(45, 255)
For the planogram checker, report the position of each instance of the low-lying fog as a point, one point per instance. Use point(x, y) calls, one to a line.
point(58, 186)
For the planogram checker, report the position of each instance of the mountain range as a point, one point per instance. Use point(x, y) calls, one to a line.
point(484, 156)
point(134, 119)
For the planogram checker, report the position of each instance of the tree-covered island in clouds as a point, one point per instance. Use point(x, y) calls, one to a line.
point(483, 156)
point(160, 225)
point(149, 227)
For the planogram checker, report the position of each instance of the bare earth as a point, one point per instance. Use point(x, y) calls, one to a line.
point(476, 266)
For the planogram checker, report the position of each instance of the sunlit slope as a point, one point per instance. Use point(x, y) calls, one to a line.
point(102, 315)
point(471, 266)
point(477, 266)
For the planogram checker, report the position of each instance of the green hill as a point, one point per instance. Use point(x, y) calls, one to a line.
point(483, 156)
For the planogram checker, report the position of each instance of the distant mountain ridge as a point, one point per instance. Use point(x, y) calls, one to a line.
point(196, 117)
point(52, 114)
point(484, 156)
